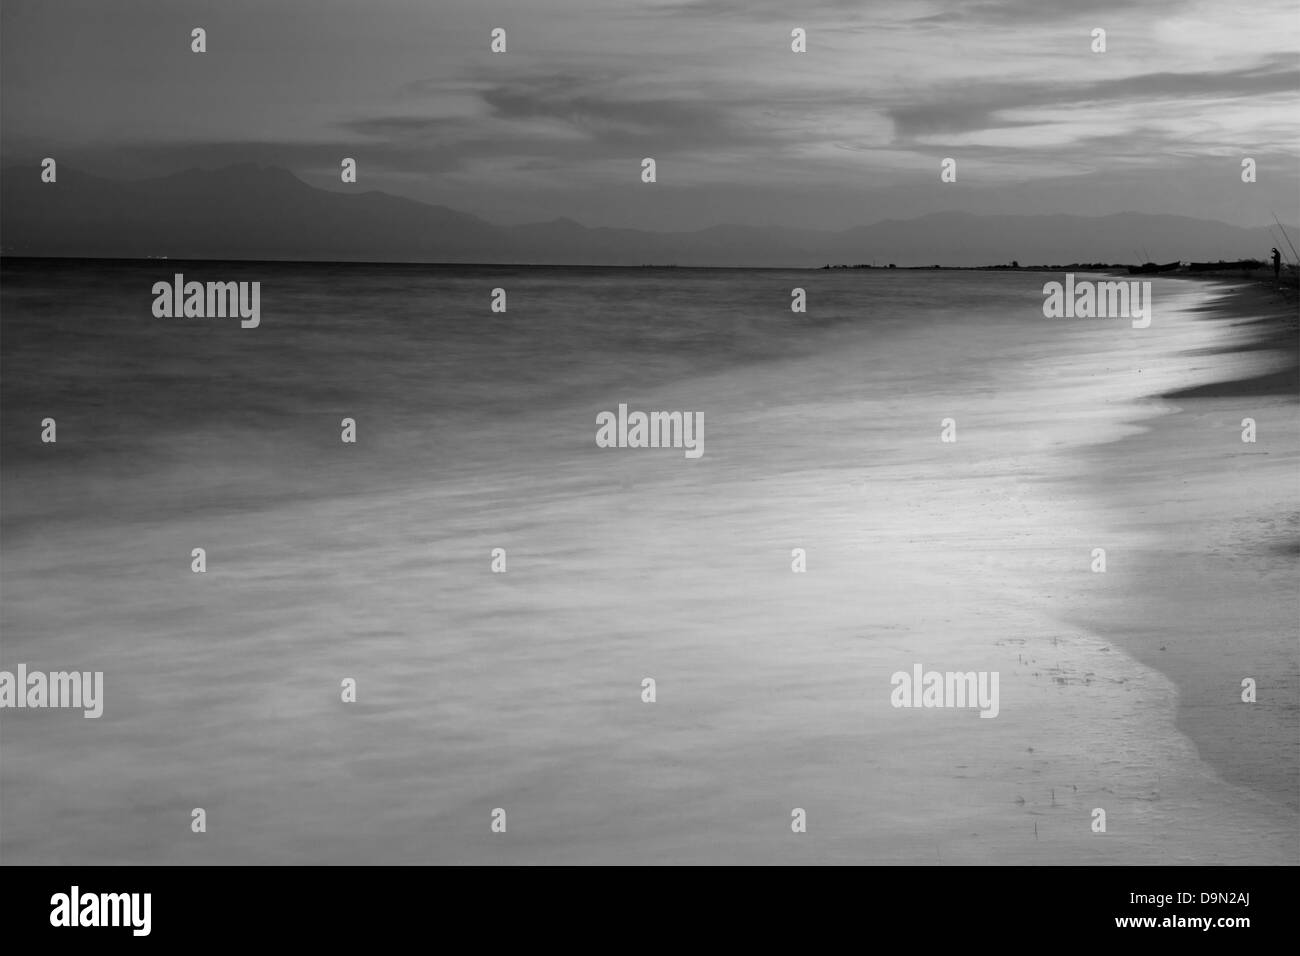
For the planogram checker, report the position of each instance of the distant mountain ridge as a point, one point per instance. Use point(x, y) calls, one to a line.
point(255, 212)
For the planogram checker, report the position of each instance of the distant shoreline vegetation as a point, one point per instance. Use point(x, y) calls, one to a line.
point(1207, 270)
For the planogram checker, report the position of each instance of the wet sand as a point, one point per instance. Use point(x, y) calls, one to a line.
point(1206, 588)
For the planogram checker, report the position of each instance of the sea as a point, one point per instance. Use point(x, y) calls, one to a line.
point(474, 635)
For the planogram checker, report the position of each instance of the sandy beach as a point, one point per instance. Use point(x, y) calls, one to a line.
point(1214, 534)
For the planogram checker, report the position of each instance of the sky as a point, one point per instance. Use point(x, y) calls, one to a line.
point(742, 129)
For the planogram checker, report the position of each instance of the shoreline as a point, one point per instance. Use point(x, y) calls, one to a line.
point(1270, 322)
point(1209, 598)
point(1103, 268)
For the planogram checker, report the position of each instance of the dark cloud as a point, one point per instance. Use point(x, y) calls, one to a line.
point(1010, 13)
point(401, 127)
point(750, 10)
point(977, 107)
point(584, 117)
point(619, 123)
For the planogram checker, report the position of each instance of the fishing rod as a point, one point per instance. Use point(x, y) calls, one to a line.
point(1288, 238)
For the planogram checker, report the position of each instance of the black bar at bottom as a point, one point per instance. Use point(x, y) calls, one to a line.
point(372, 904)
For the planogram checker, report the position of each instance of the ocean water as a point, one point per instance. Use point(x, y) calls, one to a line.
point(522, 690)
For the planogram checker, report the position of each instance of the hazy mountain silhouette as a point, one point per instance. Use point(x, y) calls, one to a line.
point(254, 212)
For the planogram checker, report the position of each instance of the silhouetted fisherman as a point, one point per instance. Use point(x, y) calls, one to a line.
point(1277, 265)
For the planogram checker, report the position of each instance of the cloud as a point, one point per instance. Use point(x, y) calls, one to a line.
point(985, 106)
point(709, 88)
point(1019, 13)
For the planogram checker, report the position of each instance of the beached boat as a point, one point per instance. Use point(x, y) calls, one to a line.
point(1221, 266)
point(1149, 267)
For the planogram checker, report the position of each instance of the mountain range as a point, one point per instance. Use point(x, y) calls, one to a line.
point(257, 212)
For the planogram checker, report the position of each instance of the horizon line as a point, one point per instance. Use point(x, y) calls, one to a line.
point(1229, 265)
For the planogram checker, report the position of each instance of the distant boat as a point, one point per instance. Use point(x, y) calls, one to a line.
point(1221, 266)
point(1149, 267)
